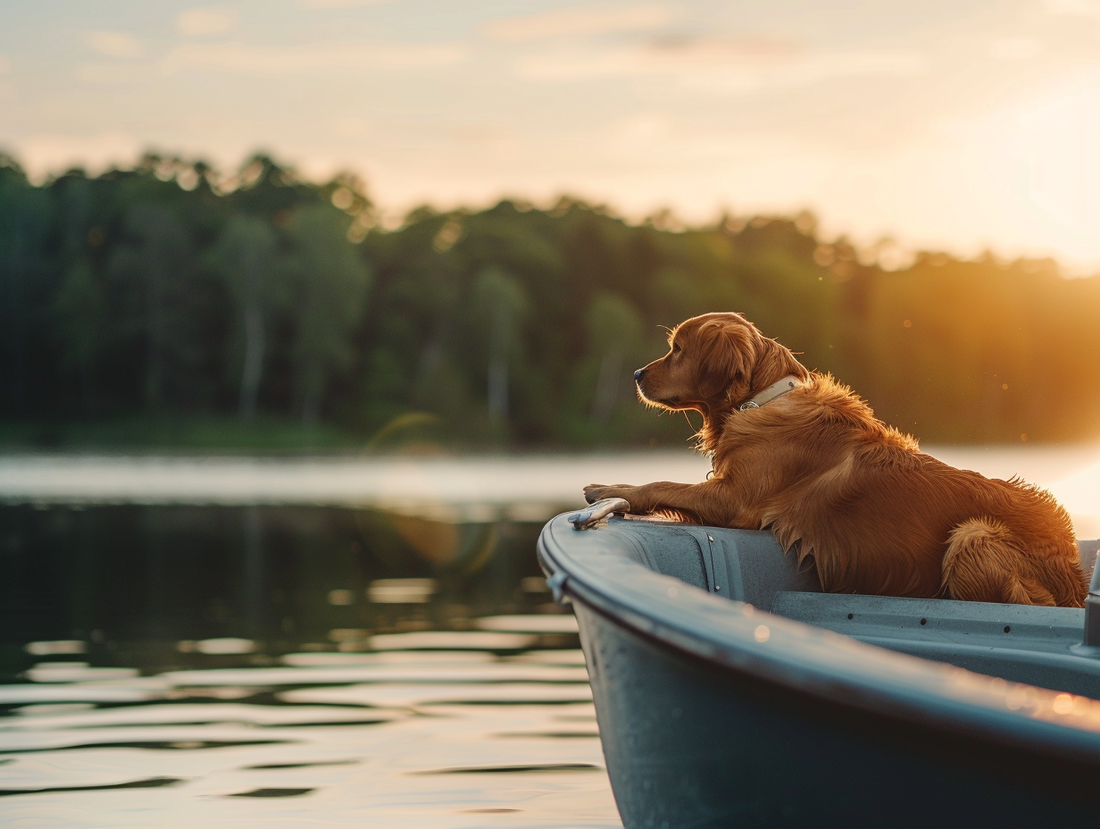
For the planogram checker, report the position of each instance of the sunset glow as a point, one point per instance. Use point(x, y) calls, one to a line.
point(958, 127)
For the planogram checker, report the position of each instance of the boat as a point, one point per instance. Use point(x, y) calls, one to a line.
point(730, 691)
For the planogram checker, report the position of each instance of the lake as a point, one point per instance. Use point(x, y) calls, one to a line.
point(326, 641)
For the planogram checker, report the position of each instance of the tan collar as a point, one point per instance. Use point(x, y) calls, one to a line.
point(788, 383)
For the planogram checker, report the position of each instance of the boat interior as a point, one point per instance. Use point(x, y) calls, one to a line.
point(1050, 647)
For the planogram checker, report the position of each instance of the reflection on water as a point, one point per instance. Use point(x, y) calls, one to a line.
point(232, 581)
point(168, 665)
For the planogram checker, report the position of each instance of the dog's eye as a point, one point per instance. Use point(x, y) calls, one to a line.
point(675, 348)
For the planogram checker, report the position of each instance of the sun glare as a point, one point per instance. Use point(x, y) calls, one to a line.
point(1050, 160)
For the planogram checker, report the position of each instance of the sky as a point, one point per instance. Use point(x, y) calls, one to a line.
point(957, 126)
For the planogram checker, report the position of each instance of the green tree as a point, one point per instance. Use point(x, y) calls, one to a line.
point(502, 303)
point(614, 334)
point(326, 286)
point(244, 257)
point(80, 315)
point(79, 307)
point(155, 259)
point(24, 220)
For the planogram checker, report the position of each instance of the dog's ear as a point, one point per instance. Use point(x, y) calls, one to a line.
point(729, 353)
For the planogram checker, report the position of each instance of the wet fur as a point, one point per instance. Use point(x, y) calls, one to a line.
point(831, 481)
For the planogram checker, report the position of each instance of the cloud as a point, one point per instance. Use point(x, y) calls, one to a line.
point(644, 128)
point(199, 22)
point(724, 65)
point(110, 74)
point(114, 44)
point(650, 139)
point(574, 22)
point(338, 4)
point(352, 126)
point(1015, 48)
point(663, 55)
point(1075, 8)
point(248, 59)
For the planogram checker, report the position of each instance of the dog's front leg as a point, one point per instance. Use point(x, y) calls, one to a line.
point(708, 503)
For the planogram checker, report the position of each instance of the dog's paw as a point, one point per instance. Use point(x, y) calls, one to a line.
point(597, 492)
point(586, 519)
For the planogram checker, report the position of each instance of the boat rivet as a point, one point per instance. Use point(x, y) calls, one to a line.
point(716, 588)
point(924, 621)
point(1008, 628)
point(710, 538)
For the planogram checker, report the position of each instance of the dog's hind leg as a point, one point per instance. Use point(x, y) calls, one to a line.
point(983, 564)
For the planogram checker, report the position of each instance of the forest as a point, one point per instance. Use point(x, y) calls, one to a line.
point(173, 305)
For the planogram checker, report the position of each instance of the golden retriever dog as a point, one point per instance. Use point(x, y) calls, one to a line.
point(796, 452)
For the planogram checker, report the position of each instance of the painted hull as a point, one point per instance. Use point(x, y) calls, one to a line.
point(716, 712)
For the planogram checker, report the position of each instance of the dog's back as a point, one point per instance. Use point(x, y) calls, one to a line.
point(886, 518)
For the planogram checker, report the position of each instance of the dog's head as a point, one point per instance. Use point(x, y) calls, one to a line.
point(715, 361)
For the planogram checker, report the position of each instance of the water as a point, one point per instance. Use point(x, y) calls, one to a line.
point(311, 665)
point(328, 642)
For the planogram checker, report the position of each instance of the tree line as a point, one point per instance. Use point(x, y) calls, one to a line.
point(171, 290)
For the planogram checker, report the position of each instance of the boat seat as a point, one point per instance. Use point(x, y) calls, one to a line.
point(1037, 645)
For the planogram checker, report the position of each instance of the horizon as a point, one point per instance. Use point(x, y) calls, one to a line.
point(955, 127)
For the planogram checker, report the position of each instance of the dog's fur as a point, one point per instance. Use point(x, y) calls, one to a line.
point(830, 480)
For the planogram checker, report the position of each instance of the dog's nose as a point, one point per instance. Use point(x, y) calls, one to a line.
point(638, 375)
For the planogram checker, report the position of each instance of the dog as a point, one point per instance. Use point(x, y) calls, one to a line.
point(798, 453)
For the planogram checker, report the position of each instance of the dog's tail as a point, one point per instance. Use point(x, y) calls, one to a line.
point(984, 562)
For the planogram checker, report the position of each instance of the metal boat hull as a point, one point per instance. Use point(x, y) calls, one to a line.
point(715, 713)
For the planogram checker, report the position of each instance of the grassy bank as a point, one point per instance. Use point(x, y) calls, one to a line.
point(176, 434)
